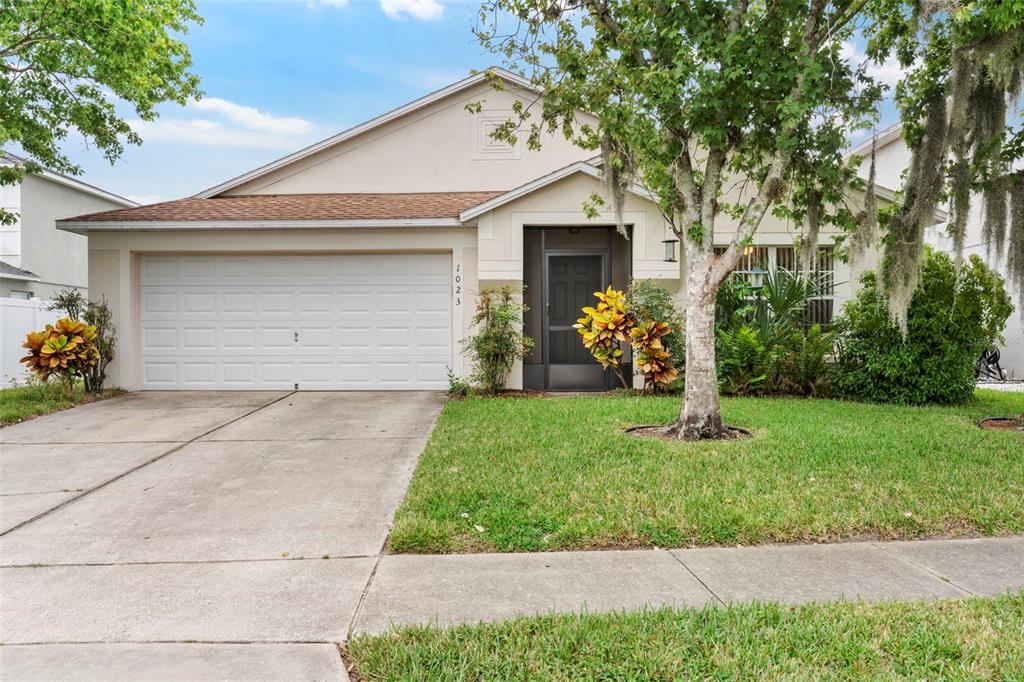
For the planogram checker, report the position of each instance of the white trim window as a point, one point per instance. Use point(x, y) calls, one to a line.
point(757, 261)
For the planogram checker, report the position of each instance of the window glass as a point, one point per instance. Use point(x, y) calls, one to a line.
point(758, 260)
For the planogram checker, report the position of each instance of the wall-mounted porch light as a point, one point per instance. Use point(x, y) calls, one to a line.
point(670, 249)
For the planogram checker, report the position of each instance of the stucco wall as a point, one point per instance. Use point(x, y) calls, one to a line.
point(500, 234)
point(436, 149)
point(59, 258)
point(114, 264)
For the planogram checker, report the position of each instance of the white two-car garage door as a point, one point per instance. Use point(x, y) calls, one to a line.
point(373, 321)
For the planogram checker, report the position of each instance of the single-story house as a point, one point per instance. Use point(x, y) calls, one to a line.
point(353, 263)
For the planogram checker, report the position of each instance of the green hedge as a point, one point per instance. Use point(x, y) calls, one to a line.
point(950, 321)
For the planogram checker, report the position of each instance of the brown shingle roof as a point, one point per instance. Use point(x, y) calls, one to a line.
point(300, 207)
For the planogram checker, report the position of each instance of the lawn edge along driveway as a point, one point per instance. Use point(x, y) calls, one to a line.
point(527, 475)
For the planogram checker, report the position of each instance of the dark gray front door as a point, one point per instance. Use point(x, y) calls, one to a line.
point(572, 281)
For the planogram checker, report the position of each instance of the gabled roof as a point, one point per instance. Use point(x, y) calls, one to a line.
point(9, 271)
point(585, 167)
point(403, 110)
point(882, 139)
point(406, 209)
point(8, 158)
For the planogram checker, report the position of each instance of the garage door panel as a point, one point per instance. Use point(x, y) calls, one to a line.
point(329, 322)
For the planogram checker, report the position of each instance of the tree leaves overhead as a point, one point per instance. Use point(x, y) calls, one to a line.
point(965, 63)
point(695, 95)
point(66, 65)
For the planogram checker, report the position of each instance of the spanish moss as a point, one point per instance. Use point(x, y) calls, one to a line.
point(988, 119)
point(867, 221)
point(808, 260)
point(905, 244)
point(1015, 240)
point(616, 180)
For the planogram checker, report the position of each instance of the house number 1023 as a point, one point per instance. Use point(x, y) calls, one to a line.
point(458, 284)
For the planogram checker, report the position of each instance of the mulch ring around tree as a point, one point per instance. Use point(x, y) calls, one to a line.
point(670, 432)
point(1003, 423)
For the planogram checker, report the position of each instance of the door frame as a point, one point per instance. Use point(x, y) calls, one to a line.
point(606, 274)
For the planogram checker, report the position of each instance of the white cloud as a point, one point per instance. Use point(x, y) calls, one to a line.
point(208, 133)
point(424, 10)
point(143, 198)
point(229, 124)
point(889, 72)
point(252, 118)
point(334, 3)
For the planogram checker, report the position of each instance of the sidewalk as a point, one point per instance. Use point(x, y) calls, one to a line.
point(449, 589)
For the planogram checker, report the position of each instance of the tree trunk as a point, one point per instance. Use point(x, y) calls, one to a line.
point(700, 417)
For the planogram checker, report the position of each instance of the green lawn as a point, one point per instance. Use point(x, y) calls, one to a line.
point(26, 402)
point(520, 474)
point(971, 639)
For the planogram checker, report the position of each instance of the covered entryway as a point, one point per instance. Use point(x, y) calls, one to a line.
point(563, 268)
point(286, 321)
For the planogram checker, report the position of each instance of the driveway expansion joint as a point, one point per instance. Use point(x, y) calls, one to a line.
point(185, 562)
point(178, 447)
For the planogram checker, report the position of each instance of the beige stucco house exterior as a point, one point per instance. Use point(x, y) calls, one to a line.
point(353, 264)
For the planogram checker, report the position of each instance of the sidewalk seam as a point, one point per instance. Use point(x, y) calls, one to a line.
point(181, 444)
point(695, 576)
point(924, 569)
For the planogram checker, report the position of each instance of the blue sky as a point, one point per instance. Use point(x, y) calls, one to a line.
point(281, 74)
point(308, 69)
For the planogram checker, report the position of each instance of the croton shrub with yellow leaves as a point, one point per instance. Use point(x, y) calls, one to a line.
point(65, 350)
point(606, 327)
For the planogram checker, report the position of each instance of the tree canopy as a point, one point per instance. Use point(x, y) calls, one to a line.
point(964, 66)
point(66, 66)
point(727, 109)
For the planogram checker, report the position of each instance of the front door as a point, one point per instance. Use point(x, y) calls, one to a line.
point(572, 281)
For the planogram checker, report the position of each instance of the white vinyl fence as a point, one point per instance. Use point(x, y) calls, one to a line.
point(17, 318)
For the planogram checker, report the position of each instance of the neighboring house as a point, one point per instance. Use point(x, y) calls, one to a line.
point(353, 264)
point(37, 259)
point(892, 156)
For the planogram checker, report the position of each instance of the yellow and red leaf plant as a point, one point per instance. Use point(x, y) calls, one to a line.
point(66, 350)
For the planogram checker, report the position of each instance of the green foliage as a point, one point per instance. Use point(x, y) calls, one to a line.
point(953, 315)
point(645, 317)
point(34, 398)
point(498, 342)
point(959, 98)
point(99, 315)
point(542, 475)
point(647, 300)
point(744, 361)
point(457, 386)
point(66, 66)
point(71, 302)
point(957, 639)
point(96, 314)
point(765, 343)
point(66, 350)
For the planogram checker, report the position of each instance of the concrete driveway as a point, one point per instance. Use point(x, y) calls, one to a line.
point(198, 535)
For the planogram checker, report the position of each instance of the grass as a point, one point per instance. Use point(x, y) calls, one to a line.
point(543, 474)
point(969, 639)
point(25, 402)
